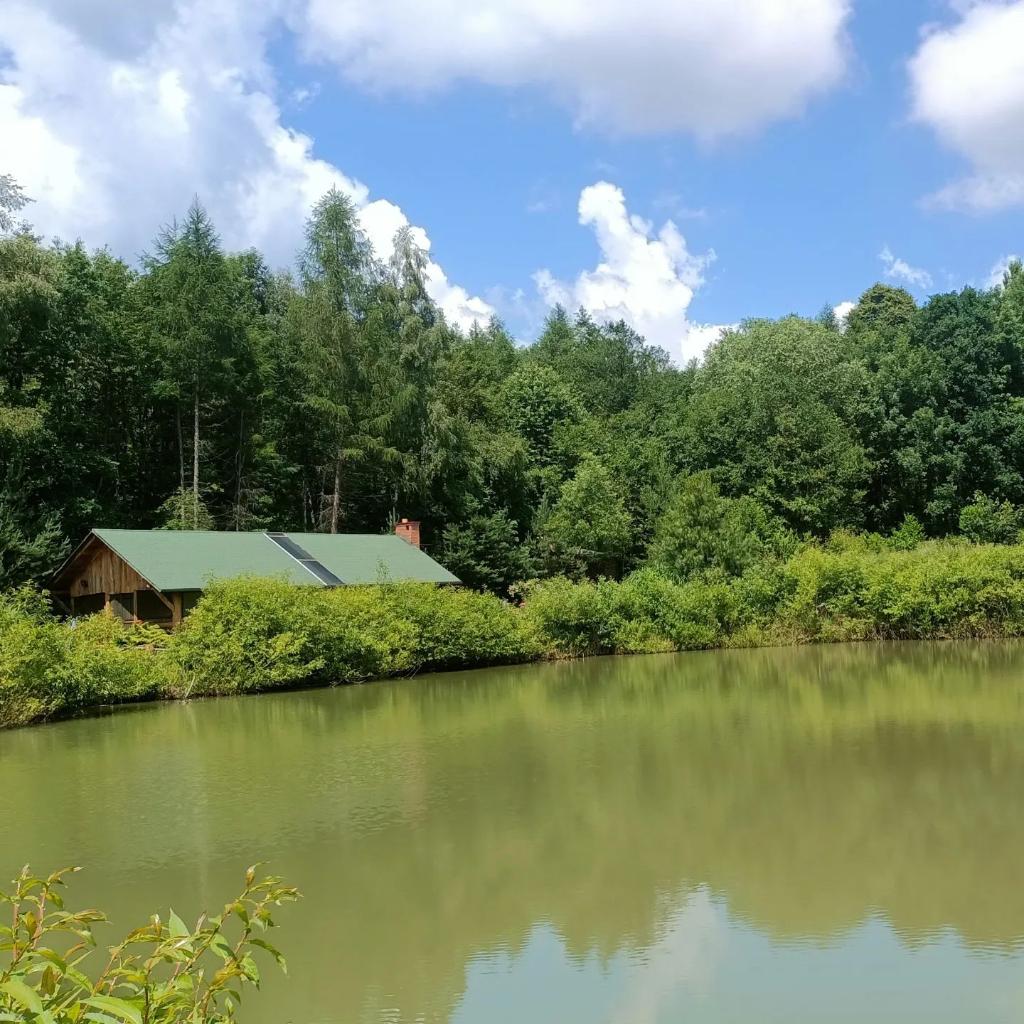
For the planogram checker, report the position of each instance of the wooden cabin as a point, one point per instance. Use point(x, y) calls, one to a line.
point(158, 575)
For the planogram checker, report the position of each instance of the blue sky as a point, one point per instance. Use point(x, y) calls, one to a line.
point(789, 148)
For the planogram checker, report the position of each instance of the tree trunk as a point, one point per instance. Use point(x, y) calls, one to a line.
point(181, 454)
point(336, 498)
point(195, 457)
point(239, 471)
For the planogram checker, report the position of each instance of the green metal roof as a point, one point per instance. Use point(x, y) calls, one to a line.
point(372, 558)
point(189, 559)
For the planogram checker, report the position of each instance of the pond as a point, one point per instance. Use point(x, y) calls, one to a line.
point(796, 835)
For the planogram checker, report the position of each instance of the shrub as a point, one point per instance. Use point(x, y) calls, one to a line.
point(49, 667)
point(664, 615)
point(248, 634)
point(258, 634)
point(458, 627)
point(987, 521)
point(939, 589)
point(638, 603)
point(762, 590)
point(31, 647)
point(388, 643)
point(161, 973)
point(108, 662)
point(572, 618)
point(908, 534)
point(647, 612)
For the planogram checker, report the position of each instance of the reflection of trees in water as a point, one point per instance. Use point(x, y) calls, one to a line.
point(428, 821)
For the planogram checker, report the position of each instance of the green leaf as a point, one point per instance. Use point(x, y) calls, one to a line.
point(79, 978)
point(177, 926)
point(23, 995)
point(252, 972)
point(120, 1008)
point(57, 961)
point(272, 950)
point(102, 1018)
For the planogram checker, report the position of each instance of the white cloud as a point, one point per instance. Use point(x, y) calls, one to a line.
point(687, 957)
point(843, 310)
point(713, 69)
point(381, 221)
point(900, 270)
point(967, 83)
point(999, 269)
point(112, 125)
point(647, 279)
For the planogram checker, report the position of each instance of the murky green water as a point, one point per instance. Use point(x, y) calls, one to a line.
point(827, 834)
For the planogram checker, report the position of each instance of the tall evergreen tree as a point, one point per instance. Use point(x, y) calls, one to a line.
point(348, 378)
point(196, 317)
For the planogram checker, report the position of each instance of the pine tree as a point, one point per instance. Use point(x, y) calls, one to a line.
point(196, 316)
point(347, 378)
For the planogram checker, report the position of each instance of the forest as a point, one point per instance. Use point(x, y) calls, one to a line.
point(202, 389)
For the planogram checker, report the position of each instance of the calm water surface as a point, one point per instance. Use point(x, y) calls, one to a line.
point(825, 834)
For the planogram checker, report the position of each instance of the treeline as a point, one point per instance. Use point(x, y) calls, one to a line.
point(202, 389)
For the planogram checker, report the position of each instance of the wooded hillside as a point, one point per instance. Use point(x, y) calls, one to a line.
point(202, 389)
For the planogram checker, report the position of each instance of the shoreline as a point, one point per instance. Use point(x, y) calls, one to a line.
point(256, 634)
point(116, 708)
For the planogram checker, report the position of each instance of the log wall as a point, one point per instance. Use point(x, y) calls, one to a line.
point(105, 573)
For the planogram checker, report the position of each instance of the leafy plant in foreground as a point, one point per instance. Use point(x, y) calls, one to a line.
point(161, 973)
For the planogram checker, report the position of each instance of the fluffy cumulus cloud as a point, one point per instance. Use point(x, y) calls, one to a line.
point(112, 121)
point(713, 69)
point(842, 310)
point(644, 277)
point(998, 272)
point(113, 116)
point(900, 270)
point(967, 82)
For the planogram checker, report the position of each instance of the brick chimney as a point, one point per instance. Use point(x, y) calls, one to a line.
point(409, 531)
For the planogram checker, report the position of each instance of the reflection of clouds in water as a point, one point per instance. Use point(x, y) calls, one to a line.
point(543, 982)
point(539, 982)
point(687, 955)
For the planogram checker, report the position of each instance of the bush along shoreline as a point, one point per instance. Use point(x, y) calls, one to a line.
point(251, 635)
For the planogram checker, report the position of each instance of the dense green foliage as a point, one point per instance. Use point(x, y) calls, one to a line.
point(256, 634)
point(49, 667)
point(634, 505)
point(201, 388)
point(248, 635)
point(701, 530)
point(160, 973)
point(853, 588)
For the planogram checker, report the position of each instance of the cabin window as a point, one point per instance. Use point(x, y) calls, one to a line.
point(123, 606)
point(150, 607)
point(189, 599)
point(86, 604)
